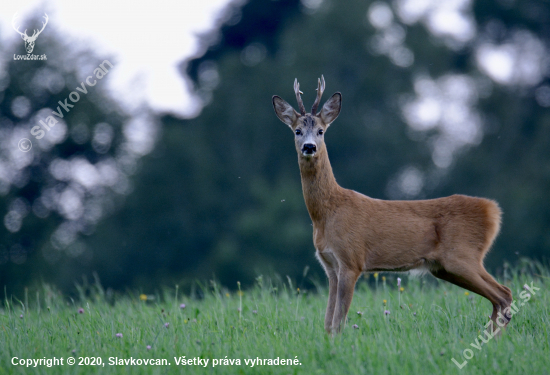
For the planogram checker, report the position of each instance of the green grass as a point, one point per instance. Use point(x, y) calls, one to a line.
point(275, 320)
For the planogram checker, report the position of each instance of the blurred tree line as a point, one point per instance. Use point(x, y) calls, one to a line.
point(437, 100)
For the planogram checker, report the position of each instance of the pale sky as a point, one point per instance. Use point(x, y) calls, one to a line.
point(148, 40)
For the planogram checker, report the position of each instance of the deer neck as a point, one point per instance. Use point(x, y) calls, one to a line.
point(318, 184)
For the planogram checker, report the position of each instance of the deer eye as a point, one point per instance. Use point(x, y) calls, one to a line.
point(298, 132)
point(320, 132)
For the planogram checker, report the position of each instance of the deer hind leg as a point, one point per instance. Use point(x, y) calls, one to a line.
point(473, 277)
point(505, 295)
point(346, 285)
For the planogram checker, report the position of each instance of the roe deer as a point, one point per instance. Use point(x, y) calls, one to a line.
point(353, 233)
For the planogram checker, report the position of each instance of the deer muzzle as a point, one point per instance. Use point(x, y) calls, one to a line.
point(309, 149)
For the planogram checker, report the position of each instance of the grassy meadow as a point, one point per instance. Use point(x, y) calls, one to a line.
point(416, 330)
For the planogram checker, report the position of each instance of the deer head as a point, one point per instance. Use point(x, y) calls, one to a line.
point(29, 40)
point(309, 128)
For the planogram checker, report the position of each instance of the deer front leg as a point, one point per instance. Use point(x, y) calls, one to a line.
point(346, 285)
point(332, 292)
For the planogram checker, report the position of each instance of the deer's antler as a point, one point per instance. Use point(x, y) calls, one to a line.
point(320, 89)
point(16, 28)
point(35, 34)
point(298, 97)
point(24, 34)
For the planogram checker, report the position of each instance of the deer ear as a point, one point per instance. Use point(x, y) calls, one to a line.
point(284, 111)
point(331, 109)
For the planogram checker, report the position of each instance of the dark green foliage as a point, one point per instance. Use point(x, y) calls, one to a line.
point(221, 195)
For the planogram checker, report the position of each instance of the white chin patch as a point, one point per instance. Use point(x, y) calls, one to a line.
point(308, 155)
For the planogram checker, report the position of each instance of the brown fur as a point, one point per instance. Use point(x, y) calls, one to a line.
point(353, 233)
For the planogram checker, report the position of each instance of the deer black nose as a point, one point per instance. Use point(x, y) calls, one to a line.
point(309, 148)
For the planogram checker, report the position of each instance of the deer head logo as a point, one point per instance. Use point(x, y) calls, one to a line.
point(29, 40)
